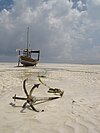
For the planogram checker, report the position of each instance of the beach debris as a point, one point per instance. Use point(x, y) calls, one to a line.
point(32, 100)
point(51, 90)
point(56, 91)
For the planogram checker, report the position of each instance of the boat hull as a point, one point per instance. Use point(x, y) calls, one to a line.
point(27, 61)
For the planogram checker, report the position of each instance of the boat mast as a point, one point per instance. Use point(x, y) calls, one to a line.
point(27, 40)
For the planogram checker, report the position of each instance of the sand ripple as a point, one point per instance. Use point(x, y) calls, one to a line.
point(78, 111)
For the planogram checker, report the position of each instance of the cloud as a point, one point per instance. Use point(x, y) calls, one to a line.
point(61, 34)
point(80, 5)
point(96, 2)
point(6, 4)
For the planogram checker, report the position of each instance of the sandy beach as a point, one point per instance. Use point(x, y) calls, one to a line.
point(77, 111)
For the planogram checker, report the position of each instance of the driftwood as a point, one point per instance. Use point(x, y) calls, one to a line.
point(32, 100)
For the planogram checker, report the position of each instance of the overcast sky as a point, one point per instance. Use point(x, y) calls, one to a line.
point(65, 31)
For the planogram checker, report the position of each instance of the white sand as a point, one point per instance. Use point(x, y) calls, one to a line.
point(78, 111)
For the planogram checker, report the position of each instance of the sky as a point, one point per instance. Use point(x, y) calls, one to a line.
point(65, 31)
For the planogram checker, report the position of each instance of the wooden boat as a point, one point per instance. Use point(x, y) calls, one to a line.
point(25, 58)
